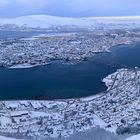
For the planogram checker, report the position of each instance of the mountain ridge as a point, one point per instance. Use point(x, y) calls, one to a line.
point(47, 21)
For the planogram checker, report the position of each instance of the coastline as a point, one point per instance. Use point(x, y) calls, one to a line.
point(26, 53)
point(25, 66)
point(115, 110)
point(28, 65)
point(72, 112)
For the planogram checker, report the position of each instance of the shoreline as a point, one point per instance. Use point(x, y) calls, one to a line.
point(73, 46)
point(116, 110)
point(72, 111)
point(28, 66)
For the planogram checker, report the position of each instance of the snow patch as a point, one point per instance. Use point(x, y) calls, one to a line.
point(6, 138)
point(136, 137)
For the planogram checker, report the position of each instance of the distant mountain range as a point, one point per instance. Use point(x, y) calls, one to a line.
point(46, 21)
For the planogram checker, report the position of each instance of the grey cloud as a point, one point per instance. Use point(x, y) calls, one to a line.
point(73, 8)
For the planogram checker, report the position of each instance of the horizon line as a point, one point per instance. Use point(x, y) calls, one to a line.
point(88, 17)
point(115, 17)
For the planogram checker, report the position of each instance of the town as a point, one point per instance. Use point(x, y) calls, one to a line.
point(116, 110)
point(70, 47)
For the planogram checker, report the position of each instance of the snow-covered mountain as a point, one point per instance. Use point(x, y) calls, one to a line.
point(46, 21)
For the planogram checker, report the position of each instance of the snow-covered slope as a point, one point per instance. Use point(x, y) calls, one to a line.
point(45, 21)
point(136, 137)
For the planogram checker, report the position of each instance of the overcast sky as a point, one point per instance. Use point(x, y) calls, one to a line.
point(71, 8)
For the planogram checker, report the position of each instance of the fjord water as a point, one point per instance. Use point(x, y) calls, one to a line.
point(52, 81)
point(60, 81)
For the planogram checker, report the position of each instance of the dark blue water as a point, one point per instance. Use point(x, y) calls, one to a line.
point(53, 82)
point(127, 56)
point(58, 81)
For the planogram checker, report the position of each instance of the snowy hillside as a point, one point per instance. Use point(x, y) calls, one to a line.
point(46, 21)
point(6, 138)
point(136, 137)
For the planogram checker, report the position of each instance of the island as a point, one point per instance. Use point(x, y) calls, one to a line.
point(71, 43)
